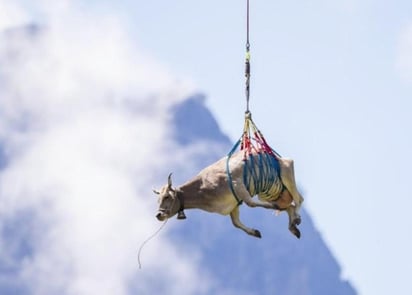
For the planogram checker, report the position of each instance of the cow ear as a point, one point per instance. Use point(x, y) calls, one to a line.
point(156, 192)
point(169, 180)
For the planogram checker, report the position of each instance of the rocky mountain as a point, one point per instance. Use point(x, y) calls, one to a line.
point(276, 264)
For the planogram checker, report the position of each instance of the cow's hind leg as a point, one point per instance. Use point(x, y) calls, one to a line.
point(287, 174)
point(234, 215)
point(294, 221)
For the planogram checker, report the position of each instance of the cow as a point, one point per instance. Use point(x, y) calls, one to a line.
point(215, 189)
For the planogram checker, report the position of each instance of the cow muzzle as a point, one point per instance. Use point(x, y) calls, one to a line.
point(161, 216)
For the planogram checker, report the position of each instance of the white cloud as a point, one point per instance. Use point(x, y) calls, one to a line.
point(84, 125)
point(404, 58)
point(11, 14)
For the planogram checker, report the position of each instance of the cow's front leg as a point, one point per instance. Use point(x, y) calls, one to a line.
point(234, 215)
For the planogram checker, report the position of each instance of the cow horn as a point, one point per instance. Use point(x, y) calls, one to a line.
point(169, 180)
point(156, 192)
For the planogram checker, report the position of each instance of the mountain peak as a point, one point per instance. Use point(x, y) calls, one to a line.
point(193, 122)
point(277, 264)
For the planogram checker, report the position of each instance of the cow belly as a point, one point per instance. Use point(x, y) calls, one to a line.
point(223, 204)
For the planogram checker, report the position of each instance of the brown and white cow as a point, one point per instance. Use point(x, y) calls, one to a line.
point(210, 191)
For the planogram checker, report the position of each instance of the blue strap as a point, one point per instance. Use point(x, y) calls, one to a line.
point(262, 172)
point(229, 176)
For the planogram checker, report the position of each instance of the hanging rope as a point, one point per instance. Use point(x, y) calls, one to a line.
point(261, 168)
point(147, 240)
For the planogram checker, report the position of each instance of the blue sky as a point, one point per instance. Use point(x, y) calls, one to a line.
point(331, 87)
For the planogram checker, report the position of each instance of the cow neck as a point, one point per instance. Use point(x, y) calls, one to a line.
point(181, 200)
point(188, 195)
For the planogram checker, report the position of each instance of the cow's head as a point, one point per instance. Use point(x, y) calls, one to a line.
point(169, 202)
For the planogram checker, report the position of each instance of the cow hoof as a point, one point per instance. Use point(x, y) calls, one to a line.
point(297, 220)
point(257, 234)
point(181, 215)
point(295, 231)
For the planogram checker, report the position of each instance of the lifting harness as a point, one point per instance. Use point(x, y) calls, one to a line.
point(261, 166)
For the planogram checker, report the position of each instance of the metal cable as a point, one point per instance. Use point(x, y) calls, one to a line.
point(247, 63)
